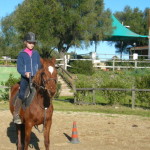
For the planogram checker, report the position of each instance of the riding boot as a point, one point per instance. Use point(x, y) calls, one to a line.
point(17, 106)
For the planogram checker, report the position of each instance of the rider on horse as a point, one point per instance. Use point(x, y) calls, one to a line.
point(28, 63)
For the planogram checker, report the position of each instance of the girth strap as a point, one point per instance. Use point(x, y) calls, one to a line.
point(36, 126)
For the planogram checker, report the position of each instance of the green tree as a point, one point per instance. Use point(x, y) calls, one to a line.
point(2, 47)
point(10, 42)
point(61, 24)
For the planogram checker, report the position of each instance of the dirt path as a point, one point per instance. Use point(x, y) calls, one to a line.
point(95, 132)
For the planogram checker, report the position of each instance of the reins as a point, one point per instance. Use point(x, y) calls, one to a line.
point(45, 108)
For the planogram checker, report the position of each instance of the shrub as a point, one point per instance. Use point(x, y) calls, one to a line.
point(81, 67)
point(103, 79)
point(143, 82)
point(115, 97)
point(10, 82)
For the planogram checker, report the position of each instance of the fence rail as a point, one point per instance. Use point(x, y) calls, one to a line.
point(133, 90)
point(4, 87)
point(114, 66)
point(112, 89)
point(109, 64)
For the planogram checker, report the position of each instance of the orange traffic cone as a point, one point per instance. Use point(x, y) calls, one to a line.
point(74, 138)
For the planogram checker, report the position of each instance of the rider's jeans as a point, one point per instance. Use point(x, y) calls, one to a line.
point(24, 83)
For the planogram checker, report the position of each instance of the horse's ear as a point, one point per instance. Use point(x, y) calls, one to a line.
point(53, 60)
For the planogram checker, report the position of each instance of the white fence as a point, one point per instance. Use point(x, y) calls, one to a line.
point(103, 62)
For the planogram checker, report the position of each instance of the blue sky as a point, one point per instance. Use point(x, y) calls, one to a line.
point(8, 6)
point(118, 5)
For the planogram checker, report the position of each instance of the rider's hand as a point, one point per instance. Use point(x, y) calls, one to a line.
point(27, 74)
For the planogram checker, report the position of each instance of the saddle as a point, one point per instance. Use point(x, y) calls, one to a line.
point(29, 95)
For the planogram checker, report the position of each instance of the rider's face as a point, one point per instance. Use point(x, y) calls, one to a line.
point(30, 45)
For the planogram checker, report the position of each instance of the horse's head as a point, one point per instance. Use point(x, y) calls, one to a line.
point(46, 77)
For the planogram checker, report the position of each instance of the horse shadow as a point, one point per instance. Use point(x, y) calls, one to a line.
point(12, 135)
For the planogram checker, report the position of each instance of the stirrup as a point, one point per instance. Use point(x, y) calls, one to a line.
point(17, 119)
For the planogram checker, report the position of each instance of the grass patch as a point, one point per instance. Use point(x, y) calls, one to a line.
point(67, 106)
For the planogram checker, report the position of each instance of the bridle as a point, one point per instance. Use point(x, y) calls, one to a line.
point(42, 86)
point(45, 81)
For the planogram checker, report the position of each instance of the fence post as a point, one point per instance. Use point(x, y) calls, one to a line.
point(135, 64)
point(114, 64)
point(93, 93)
point(65, 62)
point(133, 98)
point(75, 94)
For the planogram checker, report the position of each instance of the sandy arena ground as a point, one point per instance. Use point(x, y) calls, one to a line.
point(95, 132)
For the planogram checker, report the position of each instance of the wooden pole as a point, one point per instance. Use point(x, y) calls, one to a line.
point(93, 93)
point(133, 98)
point(75, 92)
point(135, 64)
point(65, 62)
point(113, 64)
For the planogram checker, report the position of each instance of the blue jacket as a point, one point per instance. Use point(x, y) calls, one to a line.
point(25, 63)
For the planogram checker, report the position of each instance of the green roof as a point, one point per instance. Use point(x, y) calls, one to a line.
point(120, 32)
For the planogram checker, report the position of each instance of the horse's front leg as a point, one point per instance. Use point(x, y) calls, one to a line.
point(18, 129)
point(46, 134)
point(28, 128)
point(22, 135)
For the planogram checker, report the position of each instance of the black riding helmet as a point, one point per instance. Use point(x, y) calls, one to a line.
point(30, 37)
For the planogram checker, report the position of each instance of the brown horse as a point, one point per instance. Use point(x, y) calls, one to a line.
point(41, 109)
